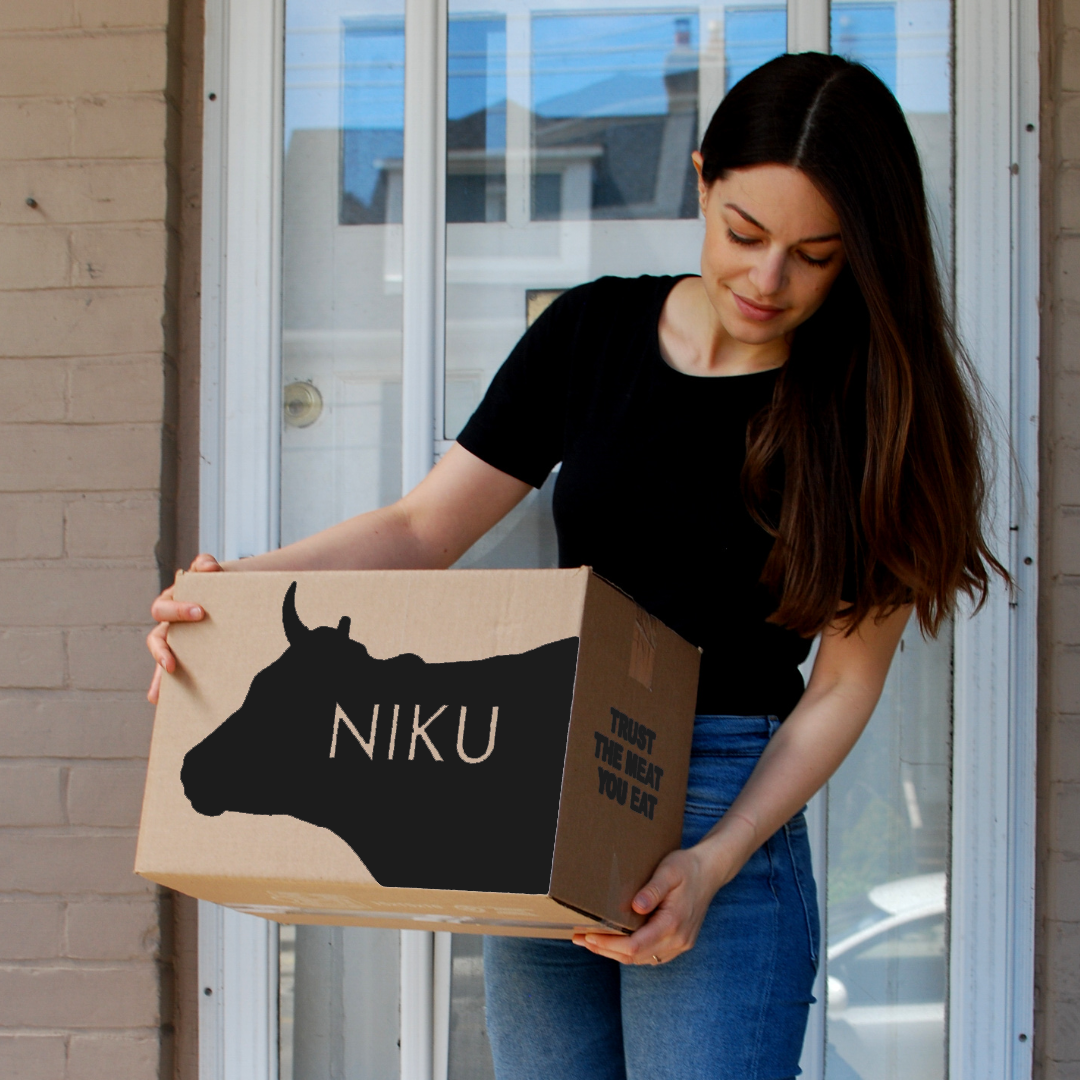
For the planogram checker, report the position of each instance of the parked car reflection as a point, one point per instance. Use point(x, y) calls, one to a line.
point(886, 983)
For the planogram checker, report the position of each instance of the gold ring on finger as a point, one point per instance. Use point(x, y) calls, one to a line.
point(656, 959)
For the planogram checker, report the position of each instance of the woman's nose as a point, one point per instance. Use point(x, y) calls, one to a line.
point(768, 275)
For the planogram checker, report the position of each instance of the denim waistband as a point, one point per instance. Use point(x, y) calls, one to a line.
point(732, 734)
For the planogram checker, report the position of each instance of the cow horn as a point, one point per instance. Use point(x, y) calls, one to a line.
point(344, 624)
point(294, 628)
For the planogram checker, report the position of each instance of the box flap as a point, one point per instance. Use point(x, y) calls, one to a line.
point(627, 756)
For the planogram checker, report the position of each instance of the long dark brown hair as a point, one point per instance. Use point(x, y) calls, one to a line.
point(871, 447)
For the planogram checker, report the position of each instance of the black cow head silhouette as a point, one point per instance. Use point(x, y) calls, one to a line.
point(439, 776)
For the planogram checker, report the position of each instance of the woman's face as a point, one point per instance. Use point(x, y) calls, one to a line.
point(772, 250)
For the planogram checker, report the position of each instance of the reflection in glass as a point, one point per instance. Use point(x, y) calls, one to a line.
point(866, 33)
point(751, 37)
point(286, 1000)
point(341, 260)
point(373, 128)
point(907, 45)
point(614, 115)
point(888, 849)
point(338, 1003)
point(470, 1051)
point(476, 119)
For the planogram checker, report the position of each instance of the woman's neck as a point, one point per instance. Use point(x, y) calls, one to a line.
point(694, 341)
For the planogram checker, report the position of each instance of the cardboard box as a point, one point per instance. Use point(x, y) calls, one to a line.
point(501, 751)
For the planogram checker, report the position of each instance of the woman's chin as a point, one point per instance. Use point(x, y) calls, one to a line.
point(750, 332)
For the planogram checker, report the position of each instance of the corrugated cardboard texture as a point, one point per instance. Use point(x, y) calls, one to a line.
point(634, 664)
point(418, 909)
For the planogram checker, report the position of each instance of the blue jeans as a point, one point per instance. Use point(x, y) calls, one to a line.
point(732, 1008)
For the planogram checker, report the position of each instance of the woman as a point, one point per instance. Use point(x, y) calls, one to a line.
point(781, 447)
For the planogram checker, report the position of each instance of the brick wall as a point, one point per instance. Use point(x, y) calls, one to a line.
point(88, 192)
point(1057, 982)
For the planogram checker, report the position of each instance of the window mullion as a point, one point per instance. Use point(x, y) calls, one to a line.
point(808, 26)
point(424, 229)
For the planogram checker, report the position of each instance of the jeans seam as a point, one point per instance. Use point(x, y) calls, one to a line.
point(767, 990)
point(802, 896)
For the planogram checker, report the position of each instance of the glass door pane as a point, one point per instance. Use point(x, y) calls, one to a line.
point(341, 433)
point(889, 805)
point(338, 1003)
point(341, 260)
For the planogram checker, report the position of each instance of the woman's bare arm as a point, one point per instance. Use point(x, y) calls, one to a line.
point(848, 677)
point(430, 527)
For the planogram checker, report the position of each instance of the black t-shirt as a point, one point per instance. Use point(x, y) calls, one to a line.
point(649, 492)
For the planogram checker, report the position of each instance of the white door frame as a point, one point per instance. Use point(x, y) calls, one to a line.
point(996, 245)
point(992, 883)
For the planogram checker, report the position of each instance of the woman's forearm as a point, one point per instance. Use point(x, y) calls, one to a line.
point(807, 749)
point(427, 529)
point(381, 539)
point(810, 745)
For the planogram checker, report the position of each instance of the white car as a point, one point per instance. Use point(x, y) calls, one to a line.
point(886, 982)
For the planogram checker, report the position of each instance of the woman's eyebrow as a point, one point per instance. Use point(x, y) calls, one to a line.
point(743, 214)
point(753, 221)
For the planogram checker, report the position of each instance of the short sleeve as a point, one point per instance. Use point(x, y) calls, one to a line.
point(519, 426)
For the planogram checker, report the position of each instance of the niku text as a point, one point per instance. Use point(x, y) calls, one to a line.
point(419, 736)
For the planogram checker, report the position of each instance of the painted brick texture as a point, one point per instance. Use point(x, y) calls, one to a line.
point(1057, 980)
point(86, 366)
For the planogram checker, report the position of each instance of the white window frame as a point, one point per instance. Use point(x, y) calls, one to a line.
point(997, 257)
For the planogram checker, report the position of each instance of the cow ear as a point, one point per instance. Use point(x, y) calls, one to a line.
point(294, 628)
point(344, 625)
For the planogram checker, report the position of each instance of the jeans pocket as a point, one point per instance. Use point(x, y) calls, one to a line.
point(698, 819)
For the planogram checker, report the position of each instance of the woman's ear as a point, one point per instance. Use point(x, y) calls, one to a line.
point(702, 187)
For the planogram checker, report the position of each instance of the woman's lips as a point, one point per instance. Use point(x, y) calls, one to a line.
point(757, 312)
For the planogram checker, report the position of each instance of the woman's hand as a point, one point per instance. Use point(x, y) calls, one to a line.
point(166, 610)
point(678, 896)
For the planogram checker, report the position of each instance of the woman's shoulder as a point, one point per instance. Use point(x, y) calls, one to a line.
point(627, 300)
point(627, 289)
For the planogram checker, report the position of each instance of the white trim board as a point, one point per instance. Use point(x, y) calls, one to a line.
point(239, 452)
point(241, 261)
point(424, 231)
point(992, 880)
point(238, 995)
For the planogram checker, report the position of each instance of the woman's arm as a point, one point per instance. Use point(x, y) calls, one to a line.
point(431, 527)
point(848, 676)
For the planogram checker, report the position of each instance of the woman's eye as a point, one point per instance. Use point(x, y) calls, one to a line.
point(815, 262)
point(736, 238)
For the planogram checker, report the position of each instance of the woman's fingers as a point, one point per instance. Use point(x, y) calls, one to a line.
point(662, 938)
point(155, 686)
point(166, 610)
point(156, 642)
point(163, 658)
point(652, 893)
